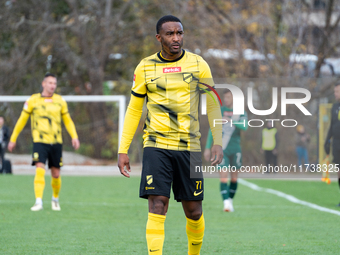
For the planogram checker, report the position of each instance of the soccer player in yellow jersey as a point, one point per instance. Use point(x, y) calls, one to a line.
point(46, 109)
point(171, 81)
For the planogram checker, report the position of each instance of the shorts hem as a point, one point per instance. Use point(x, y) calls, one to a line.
point(189, 199)
point(145, 196)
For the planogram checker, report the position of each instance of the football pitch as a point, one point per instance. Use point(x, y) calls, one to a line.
point(103, 215)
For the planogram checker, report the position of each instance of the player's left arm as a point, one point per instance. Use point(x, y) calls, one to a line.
point(214, 112)
point(70, 127)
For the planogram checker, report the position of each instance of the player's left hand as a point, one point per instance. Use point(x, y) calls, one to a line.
point(124, 162)
point(216, 155)
point(75, 143)
point(11, 146)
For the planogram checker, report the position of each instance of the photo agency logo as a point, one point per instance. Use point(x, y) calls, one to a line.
point(239, 102)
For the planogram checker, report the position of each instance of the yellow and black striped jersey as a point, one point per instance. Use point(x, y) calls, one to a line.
point(172, 90)
point(46, 115)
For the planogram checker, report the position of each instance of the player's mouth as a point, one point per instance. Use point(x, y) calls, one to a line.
point(175, 46)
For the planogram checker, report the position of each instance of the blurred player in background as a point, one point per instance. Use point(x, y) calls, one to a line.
point(334, 131)
point(4, 137)
point(170, 80)
point(302, 140)
point(231, 145)
point(46, 109)
point(270, 143)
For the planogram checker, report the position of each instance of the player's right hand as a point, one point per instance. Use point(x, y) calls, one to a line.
point(123, 161)
point(11, 146)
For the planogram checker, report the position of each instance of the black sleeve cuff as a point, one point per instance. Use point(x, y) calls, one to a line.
point(137, 94)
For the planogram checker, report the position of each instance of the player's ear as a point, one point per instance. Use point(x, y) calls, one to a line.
point(158, 37)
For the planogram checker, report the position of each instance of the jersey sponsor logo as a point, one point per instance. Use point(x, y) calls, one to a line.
point(172, 69)
point(134, 77)
point(149, 179)
point(49, 100)
point(196, 194)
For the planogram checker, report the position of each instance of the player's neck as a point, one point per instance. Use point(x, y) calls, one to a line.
point(46, 94)
point(167, 56)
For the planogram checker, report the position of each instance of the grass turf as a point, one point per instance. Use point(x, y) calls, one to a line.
point(103, 215)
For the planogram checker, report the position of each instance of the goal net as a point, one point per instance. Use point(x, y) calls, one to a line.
point(99, 123)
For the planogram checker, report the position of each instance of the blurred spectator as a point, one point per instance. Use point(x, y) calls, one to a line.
point(4, 137)
point(302, 140)
point(270, 144)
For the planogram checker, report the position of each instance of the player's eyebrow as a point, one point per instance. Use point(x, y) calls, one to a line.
point(172, 31)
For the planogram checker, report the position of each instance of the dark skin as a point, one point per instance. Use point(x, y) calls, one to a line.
point(171, 38)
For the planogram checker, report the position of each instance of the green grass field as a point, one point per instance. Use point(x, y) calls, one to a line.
point(103, 215)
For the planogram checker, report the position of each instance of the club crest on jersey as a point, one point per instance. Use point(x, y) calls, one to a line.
point(172, 69)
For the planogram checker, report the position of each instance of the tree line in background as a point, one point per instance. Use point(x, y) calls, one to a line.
point(88, 42)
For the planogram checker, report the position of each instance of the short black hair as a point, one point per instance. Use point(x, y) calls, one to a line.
point(164, 19)
point(49, 75)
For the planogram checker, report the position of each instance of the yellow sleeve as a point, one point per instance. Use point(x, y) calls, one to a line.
point(213, 107)
point(139, 84)
point(205, 75)
point(64, 108)
point(20, 125)
point(132, 118)
point(214, 112)
point(71, 129)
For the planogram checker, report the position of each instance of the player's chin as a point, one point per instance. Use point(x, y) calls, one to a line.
point(175, 50)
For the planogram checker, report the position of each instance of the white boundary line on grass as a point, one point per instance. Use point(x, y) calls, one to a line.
point(288, 197)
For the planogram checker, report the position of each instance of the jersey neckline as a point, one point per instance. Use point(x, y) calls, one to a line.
point(41, 95)
point(167, 60)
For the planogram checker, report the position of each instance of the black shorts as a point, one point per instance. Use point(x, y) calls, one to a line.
point(162, 167)
point(50, 152)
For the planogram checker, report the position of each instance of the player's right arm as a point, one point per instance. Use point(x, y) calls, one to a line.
point(17, 129)
point(132, 118)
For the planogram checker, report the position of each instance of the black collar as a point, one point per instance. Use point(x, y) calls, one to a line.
point(167, 60)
